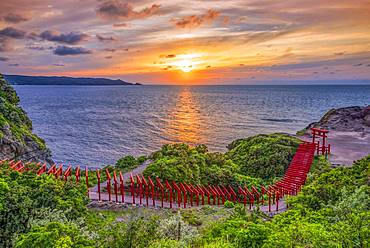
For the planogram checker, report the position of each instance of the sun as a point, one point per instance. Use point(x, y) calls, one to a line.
point(185, 65)
point(187, 62)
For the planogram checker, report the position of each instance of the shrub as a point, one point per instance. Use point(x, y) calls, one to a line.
point(228, 204)
point(263, 156)
point(129, 162)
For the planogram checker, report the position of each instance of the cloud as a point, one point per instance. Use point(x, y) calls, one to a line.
point(226, 20)
point(6, 35)
point(68, 38)
point(39, 48)
point(5, 44)
point(13, 64)
point(13, 18)
point(169, 56)
point(64, 50)
point(3, 59)
point(194, 21)
point(60, 65)
point(338, 54)
point(118, 10)
point(11, 32)
point(112, 50)
point(120, 25)
point(104, 39)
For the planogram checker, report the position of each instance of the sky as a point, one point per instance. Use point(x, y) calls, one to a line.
point(188, 42)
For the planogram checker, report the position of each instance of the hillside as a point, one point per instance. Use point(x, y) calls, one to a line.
point(16, 138)
point(332, 210)
point(53, 80)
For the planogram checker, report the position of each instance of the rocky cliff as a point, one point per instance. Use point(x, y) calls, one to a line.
point(348, 119)
point(16, 138)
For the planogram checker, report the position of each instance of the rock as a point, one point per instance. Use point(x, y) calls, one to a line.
point(348, 119)
point(367, 120)
point(16, 138)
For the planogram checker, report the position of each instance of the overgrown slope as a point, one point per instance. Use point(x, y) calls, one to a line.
point(263, 156)
point(16, 137)
point(248, 161)
point(332, 210)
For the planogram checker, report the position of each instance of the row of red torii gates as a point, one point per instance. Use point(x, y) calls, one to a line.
point(146, 191)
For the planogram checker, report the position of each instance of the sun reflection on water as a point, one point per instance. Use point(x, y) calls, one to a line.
point(185, 120)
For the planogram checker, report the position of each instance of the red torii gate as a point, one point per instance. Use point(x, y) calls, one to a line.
point(323, 134)
point(161, 191)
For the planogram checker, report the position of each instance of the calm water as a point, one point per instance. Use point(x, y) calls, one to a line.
point(97, 125)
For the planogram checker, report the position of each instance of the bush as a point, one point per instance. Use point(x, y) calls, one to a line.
point(248, 161)
point(24, 195)
point(129, 163)
point(54, 234)
point(228, 204)
point(263, 156)
point(182, 163)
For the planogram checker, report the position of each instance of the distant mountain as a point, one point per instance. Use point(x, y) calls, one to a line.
point(42, 80)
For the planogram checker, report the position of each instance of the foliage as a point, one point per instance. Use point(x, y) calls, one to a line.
point(143, 227)
point(228, 204)
point(332, 210)
point(128, 163)
point(191, 217)
point(182, 163)
point(24, 196)
point(176, 229)
point(12, 116)
point(248, 162)
point(55, 234)
point(263, 156)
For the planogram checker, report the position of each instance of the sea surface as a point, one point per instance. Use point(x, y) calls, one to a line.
point(96, 125)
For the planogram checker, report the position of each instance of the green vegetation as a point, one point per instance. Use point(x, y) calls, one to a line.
point(180, 162)
point(332, 210)
point(55, 234)
point(263, 156)
point(248, 162)
point(13, 117)
point(28, 200)
point(129, 163)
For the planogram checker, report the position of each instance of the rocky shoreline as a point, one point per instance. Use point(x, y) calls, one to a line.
point(349, 133)
point(16, 138)
point(348, 119)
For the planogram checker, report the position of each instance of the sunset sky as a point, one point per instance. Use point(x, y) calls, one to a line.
point(188, 42)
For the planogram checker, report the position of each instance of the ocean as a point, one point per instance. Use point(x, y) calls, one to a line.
point(96, 125)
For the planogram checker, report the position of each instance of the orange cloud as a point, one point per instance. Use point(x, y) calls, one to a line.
point(194, 21)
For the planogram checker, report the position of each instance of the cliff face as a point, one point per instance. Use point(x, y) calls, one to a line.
point(16, 138)
point(349, 119)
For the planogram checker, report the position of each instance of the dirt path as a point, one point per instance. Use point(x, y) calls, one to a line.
point(128, 200)
point(346, 147)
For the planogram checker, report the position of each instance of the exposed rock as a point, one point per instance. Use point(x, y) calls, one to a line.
point(349, 119)
point(16, 138)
